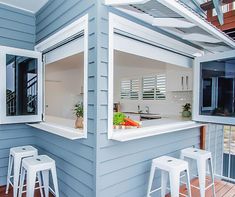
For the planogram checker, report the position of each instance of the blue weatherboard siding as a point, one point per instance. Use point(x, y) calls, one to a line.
point(123, 168)
point(94, 166)
point(17, 28)
point(75, 159)
point(10, 136)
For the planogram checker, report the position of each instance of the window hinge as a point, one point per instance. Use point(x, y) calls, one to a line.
point(43, 58)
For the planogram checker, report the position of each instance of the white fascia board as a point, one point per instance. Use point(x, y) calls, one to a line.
point(124, 2)
point(186, 13)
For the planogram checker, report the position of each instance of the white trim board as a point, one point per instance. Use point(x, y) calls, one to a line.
point(74, 28)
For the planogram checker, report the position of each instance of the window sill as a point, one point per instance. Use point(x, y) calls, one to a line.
point(62, 131)
point(122, 135)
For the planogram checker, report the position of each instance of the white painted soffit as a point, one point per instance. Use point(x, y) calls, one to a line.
point(27, 5)
point(173, 17)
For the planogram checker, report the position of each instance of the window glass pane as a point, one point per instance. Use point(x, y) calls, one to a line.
point(21, 85)
point(207, 92)
point(218, 88)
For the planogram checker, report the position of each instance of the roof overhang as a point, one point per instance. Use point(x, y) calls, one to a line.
point(186, 24)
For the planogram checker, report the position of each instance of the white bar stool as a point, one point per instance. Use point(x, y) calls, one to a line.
point(15, 159)
point(41, 164)
point(173, 167)
point(201, 157)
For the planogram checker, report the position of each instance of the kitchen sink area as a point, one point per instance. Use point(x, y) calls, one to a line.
point(141, 116)
point(148, 97)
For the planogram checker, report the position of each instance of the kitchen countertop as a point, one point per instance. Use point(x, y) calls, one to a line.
point(155, 127)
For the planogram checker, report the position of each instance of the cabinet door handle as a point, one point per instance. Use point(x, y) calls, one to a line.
point(187, 82)
point(182, 82)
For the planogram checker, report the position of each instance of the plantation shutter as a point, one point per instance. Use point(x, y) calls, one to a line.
point(130, 89)
point(148, 88)
point(160, 87)
point(125, 89)
point(154, 87)
point(134, 92)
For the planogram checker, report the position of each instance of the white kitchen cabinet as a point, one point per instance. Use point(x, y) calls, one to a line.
point(179, 80)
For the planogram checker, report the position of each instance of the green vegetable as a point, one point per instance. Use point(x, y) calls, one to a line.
point(118, 118)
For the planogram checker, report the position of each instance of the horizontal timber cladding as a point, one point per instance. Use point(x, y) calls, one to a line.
point(123, 167)
point(17, 28)
point(75, 159)
point(10, 136)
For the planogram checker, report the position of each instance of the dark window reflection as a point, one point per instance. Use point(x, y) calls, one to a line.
point(218, 88)
point(21, 83)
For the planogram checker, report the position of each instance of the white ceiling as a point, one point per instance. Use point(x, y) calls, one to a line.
point(27, 5)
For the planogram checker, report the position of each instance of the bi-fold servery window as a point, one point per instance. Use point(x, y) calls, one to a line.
point(21, 85)
point(48, 87)
point(214, 98)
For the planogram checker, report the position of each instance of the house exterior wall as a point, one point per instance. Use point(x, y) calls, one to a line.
point(17, 29)
point(10, 136)
point(94, 166)
point(76, 166)
point(75, 160)
point(123, 167)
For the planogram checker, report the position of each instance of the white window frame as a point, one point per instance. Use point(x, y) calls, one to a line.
point(80, 25)
point(4, 119)
point(163, 46)
point(196, 89)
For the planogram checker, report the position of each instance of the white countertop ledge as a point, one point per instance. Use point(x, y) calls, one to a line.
point(62, 131)
point(124, 135)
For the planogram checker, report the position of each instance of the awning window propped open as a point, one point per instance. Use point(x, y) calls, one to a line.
point(177, 18)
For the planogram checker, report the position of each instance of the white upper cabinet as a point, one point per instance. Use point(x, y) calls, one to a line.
point(179, 79)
